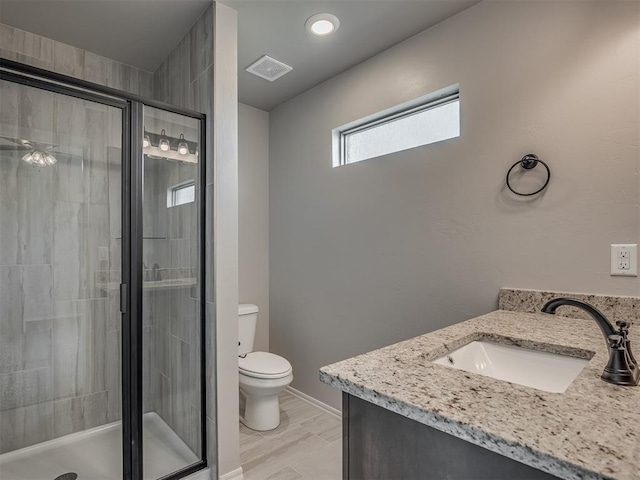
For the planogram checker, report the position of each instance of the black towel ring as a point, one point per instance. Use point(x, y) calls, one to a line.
point(528, 162)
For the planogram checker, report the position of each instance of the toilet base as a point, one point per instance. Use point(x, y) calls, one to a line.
point(261, 413)
point(262, 406)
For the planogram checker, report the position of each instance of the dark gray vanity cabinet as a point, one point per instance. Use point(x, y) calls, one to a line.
point(381, 445)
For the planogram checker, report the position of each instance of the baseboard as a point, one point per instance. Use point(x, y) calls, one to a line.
point(233, 475)
point(314, 401)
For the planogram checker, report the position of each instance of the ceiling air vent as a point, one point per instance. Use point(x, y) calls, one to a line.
point(268, 68)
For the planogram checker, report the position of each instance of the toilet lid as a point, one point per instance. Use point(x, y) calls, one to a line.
point(264, 365)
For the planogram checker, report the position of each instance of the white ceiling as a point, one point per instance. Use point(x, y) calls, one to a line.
point(367, 27)
point(143, 32)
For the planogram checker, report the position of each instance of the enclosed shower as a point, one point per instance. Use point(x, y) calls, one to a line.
point(101, 283)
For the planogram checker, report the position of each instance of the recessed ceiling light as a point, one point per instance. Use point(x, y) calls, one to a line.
point(322, 24)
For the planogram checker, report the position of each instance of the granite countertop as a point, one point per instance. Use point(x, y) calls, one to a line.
point(591, 431)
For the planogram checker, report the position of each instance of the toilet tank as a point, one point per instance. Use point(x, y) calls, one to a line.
point(247, 319)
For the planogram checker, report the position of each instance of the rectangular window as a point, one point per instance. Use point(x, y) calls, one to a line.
point(181, 194)
point(430, 121)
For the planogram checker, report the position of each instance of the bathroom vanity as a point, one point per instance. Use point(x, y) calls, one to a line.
point(404, 416)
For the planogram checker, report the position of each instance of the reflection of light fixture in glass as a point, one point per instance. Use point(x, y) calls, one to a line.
point(163, 144)
point(40, 159)
point(183, 147)
point(146, 142)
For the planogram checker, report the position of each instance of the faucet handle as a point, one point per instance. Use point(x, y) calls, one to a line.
point(616, 341)
point(623, 327)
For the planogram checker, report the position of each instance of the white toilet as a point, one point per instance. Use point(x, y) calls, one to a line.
point(262, 375)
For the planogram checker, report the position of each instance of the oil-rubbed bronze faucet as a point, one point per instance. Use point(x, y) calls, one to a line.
point(622, 368)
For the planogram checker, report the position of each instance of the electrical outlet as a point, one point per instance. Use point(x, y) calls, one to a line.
point(624, 260)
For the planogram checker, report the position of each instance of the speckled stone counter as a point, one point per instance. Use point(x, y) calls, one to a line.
point(591, 431)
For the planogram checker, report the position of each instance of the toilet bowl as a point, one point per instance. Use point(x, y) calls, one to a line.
point(262, 375)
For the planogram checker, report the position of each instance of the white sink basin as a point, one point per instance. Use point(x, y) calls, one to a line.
point(545, 371)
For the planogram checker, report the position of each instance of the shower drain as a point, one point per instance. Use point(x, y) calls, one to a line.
point(67, 476)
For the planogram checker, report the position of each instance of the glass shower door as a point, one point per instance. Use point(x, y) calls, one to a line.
point(171, 295)
point(61, 165)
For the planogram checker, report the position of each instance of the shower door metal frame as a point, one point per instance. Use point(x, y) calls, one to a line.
point(132, 271)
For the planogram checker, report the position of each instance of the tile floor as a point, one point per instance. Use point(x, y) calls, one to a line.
point(307, 445)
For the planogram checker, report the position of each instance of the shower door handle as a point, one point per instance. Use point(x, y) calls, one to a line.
point(123, 298)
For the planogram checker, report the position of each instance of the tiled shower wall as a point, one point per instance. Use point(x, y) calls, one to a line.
point(41, 52)
point(58, 229)
point(60, 353)
point(185, 79)
point(171, 343)
point(59, 335)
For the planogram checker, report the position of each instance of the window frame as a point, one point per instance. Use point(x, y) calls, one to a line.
point(173, 190)
point(420, 105)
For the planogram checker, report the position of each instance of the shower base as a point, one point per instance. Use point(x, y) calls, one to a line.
point(96, 454)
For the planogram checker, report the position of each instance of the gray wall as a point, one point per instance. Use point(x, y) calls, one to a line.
point(253, 215)
point(368, 254)
point(188, 79)
point(223, 217)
